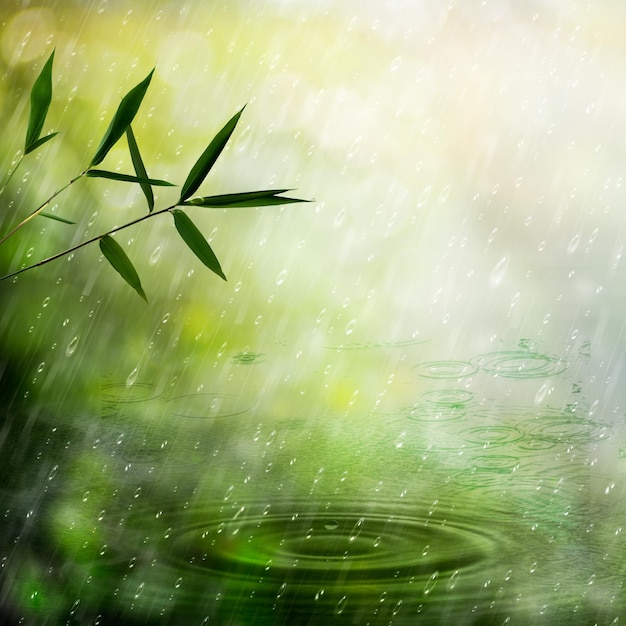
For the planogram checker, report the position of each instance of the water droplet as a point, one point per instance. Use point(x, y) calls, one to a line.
point(498, 272)
point(430, 584)
point(281, 590)
point(341, 605)
point(53, 472)
point(540, 396)
point(155, 256)
point(339, 218)
point(71, 346)
point(331, 525)
point(573, 244)
point(356, 530)
point(453, 580)
point(132, 377)
point(280, 279)
point(139, 590)
point(350, 327)
point(423, 197)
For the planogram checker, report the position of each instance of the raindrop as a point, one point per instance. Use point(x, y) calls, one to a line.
point(339, 218)
point(573, 244)
point(53, 472)
point(331, 525)
point(540, 396)
point(356, 530)
point(430, 584)
point(341, 605)
point(350, 326)
point(132, 377)
point(281, 590)
point(498, 272)
point(453, 580)
point(280, 279)
point(155, 256)
point(139, 590)
point(71, 346)
point(423, 197)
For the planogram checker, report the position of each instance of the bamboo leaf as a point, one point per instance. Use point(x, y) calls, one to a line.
point(52, 216)
point(140, 169)
point(40, 98)
point(207, 159)
point(121, 120)
point(245, 199)
point(196, 241)
point(40, 142)
point(127, 178)
point(114, 254)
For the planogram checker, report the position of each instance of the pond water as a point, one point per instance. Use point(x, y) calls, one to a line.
point(406, 404)
point(483, 491)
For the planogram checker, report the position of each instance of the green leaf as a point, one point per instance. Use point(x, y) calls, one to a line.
point(127, 178)
point(40, 142)
point(40, 98)
point(114, 254)
point(121, 120)
point(207, 159)
point(245, 199)
point(140, 169)
point(196, 241)
point(52, 216)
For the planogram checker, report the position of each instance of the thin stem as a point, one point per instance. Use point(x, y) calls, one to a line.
point(86, 243)
point(41, 207)
point(10, 175)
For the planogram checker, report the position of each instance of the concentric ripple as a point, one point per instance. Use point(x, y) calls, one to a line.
point(445, 370)
point(207, 405)
point(116, 397)
point(440, 405)
point(520, 364)
point(310, 546)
